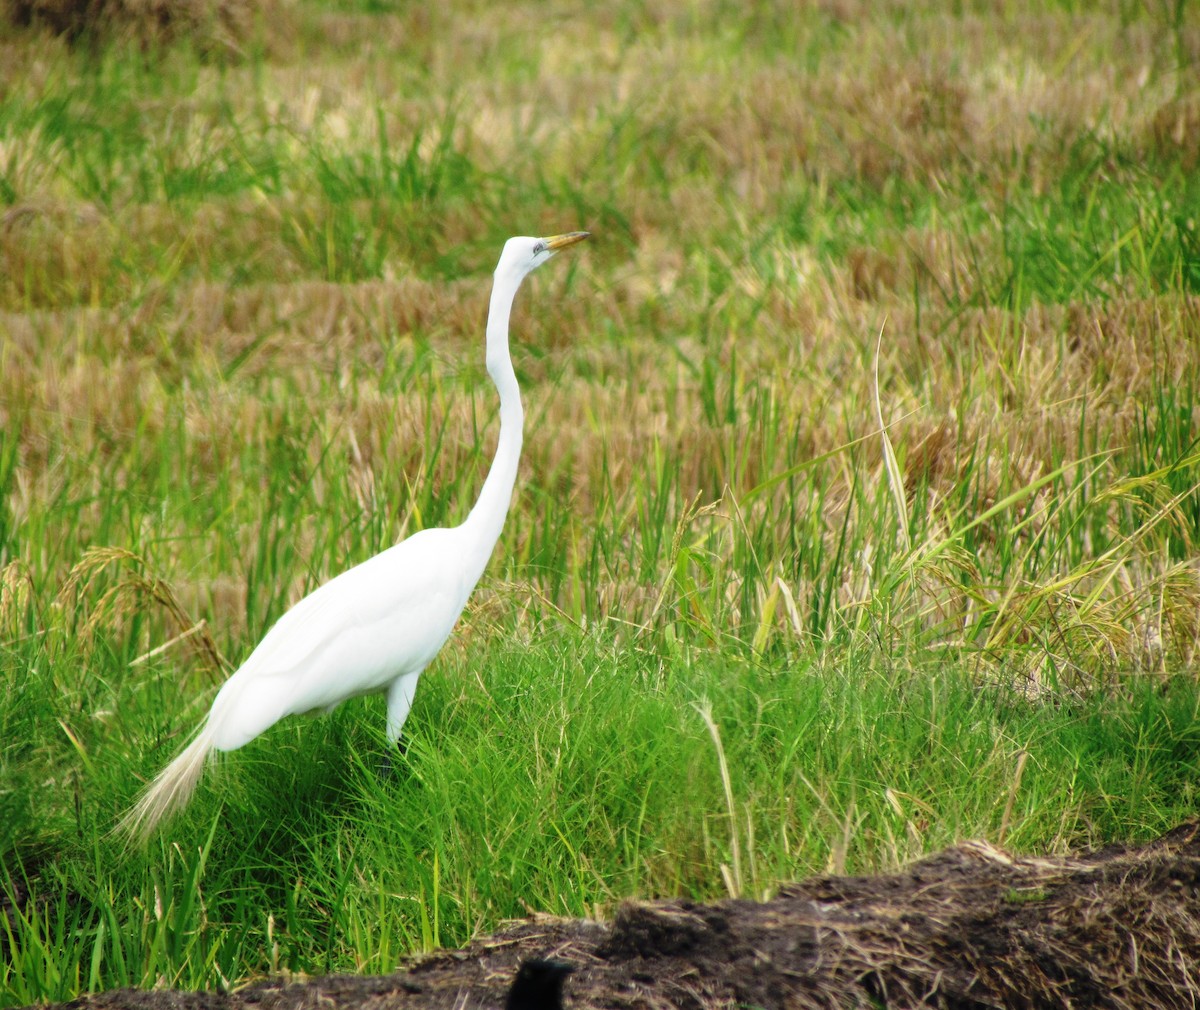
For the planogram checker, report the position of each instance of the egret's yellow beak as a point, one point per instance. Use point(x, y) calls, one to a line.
point(556, 242)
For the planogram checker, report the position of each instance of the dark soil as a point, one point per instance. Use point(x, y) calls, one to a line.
point(971, 927)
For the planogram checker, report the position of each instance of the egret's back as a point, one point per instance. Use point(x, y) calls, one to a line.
point(355, 635)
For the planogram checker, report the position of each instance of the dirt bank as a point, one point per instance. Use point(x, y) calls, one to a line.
point(971, 927)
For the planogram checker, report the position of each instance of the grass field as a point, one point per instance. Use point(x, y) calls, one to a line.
point(859, 506)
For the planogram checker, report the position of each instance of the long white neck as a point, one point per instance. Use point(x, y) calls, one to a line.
point(487, 517)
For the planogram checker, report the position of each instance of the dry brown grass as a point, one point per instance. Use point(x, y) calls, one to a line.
point(692, 149)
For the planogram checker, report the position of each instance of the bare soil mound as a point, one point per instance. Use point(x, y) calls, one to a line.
point(971, 927)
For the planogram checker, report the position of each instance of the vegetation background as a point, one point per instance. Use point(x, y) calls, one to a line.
point(859, 507)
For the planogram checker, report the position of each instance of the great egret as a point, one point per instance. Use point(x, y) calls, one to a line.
point(375, 627)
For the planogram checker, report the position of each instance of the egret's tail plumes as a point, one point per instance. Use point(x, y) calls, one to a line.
point(171, 789)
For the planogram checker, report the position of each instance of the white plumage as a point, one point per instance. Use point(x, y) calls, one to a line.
point(375, 627)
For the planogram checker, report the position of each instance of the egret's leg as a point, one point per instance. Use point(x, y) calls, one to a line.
point(399, 701)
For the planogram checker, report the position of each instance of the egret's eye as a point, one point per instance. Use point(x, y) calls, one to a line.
point(539, 247)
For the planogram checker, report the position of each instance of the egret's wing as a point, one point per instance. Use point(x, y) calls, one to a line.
point(353, 635)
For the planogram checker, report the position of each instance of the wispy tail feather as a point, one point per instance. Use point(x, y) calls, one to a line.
point(170, 790)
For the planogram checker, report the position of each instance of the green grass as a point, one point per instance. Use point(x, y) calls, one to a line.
point(556, 785)
point(241, 308)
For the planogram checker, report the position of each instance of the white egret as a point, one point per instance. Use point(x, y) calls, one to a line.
point(375, 627)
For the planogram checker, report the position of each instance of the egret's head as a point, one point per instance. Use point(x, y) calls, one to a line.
point(523, 254)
